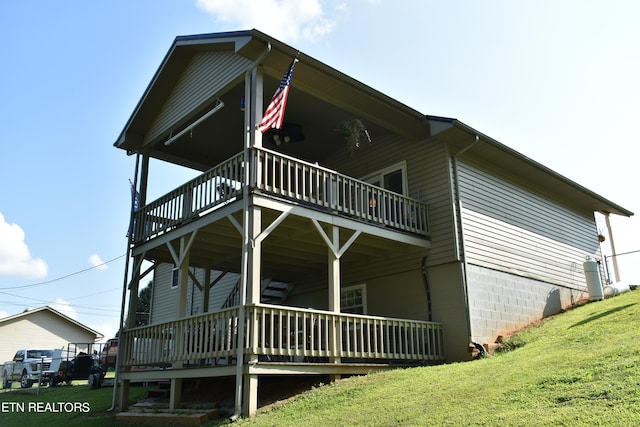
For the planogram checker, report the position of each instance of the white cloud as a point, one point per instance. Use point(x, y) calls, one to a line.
point(3, 314)
point(97, 262)
point(288, 20)
point(65, 308)
point(15, 258)
point(105, 329)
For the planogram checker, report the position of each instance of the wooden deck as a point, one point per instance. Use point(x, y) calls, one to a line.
point(281, 335)
point(286, 177)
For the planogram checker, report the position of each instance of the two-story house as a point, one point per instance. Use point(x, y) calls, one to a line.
point(362, 235)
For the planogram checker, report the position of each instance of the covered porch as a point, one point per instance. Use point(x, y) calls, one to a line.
point(279, 334)
point(264, 214)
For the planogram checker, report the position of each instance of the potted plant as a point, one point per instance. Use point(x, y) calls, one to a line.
point(354, 132)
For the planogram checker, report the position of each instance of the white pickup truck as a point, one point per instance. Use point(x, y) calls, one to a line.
point(28, 366)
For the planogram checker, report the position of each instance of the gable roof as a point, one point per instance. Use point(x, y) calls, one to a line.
point(46, 308)
point(322, 97)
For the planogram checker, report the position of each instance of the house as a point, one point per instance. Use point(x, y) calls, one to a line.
point(42, 327)
point(312, 250)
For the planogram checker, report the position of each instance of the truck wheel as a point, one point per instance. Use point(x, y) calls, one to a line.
point(94, 381)
point(24, 380)
point(5, 382)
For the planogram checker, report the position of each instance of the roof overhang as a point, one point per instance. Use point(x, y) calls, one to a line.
point(493, 155)
point(320, 98)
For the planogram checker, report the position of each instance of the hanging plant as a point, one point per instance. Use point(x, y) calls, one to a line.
point(354, 132)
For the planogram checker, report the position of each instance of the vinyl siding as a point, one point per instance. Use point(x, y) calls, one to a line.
point(428, 180)
point(204, 77)
point(511, 229)
point(39, 330)
point(165, 299)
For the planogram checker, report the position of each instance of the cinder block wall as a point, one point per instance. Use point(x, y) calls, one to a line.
point(500, 303)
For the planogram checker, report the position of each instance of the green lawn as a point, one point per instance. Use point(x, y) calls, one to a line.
point(64, 405)
point(581, 368)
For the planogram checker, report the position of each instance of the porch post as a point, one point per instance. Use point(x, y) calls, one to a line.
point(144, 176)
point(183, 279)
point(255, 254)
point(205, 290)
point(334, 294)
point(334, 272)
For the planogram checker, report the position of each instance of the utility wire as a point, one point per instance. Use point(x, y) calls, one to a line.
point(65, 277)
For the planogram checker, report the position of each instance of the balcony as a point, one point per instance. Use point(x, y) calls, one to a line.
point(278, 334)
point(286, 178)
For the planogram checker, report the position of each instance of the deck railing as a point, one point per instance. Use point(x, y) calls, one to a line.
point(287, 177)
point(283, 334)
point(217, 186)
point(309, 183)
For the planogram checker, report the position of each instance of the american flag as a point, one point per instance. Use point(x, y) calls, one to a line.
point(274, 115)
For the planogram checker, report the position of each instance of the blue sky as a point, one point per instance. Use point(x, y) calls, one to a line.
point(557, 81)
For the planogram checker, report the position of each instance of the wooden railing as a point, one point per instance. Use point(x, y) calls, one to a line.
point(309, 183)
point(310, 335)
point(286, 177)
point(219, 185)
point(283, 334)
point(208, 336)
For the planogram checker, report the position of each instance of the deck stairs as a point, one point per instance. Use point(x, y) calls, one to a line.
point(271, 292)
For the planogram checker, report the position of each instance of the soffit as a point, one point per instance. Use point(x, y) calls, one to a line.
point(319, 99)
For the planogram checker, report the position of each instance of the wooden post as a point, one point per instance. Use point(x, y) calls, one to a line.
point(175, 393)
point(183, 278)
point(334, 292)
point(205, 290)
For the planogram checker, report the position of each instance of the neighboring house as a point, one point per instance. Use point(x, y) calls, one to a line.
point(41, 328)
point(295, 252)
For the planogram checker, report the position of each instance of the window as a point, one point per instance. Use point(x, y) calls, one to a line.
point(175, 275)
point(353, 299)
point(393, 178)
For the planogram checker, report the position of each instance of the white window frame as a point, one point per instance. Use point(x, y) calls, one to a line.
point(360, 287)
point(175, 276)
point(379, 175)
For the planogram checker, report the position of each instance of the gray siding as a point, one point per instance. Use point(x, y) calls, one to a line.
point(165, 299)
point(428, 180)
point(510, 229)
point(205, 76)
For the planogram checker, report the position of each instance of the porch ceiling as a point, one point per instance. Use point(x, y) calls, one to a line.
point(319, 100)
point(294, 250)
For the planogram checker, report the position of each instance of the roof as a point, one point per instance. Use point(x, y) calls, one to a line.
point(54, 312)
point(323, 95)
point(484, 149)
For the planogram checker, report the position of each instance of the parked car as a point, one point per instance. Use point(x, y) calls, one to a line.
point(28, 366)
point(110, 352)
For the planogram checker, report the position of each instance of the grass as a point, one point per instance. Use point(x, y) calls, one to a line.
point(577, 369)
point(74, 405)
point(580, 368)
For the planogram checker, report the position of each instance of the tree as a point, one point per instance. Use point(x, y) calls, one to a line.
point(143, 308)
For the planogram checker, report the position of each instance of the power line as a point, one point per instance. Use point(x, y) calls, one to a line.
point(65, 277)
